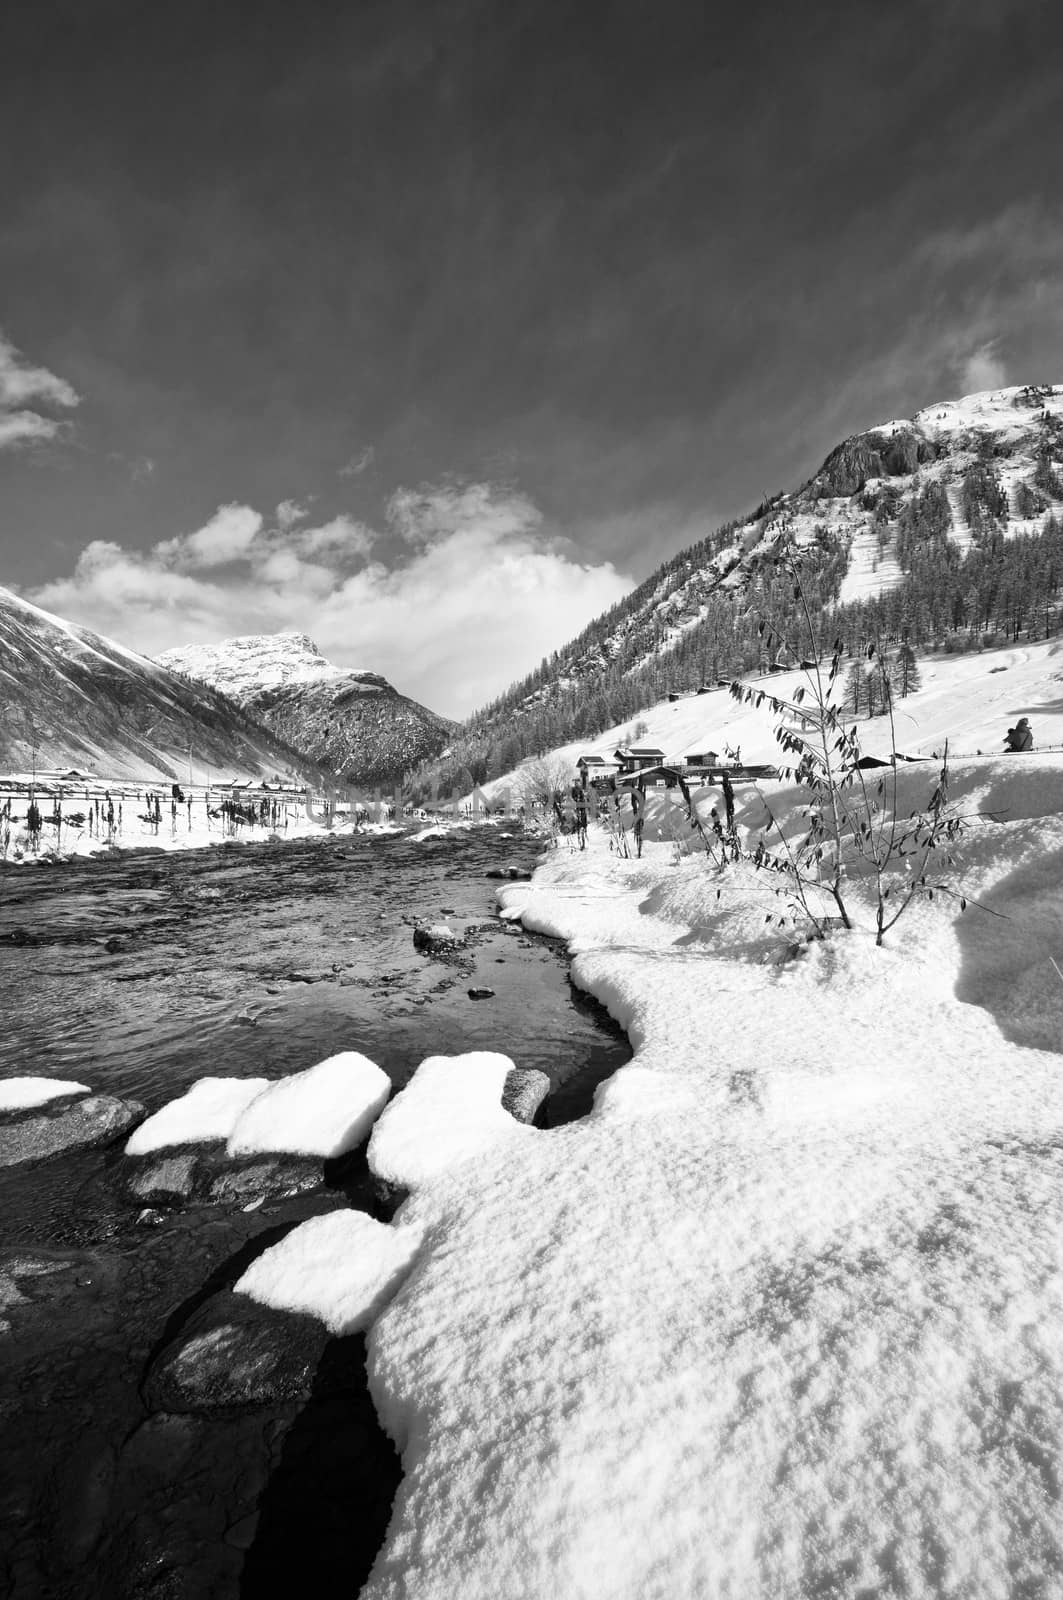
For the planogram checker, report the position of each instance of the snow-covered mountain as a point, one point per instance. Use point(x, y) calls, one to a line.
point(72, 698)
point(995, 458)
point(350, 721)
point(257, 661)
point(945, 528)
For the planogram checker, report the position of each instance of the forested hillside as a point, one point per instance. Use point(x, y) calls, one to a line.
point(942, 533)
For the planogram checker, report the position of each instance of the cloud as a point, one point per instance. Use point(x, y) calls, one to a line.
point(472, 596)
point(983, 369)
point(25, 427)
point(289, 512)
point(429, 514)
point(228, 536)
point(20, 382)
point(358, 463)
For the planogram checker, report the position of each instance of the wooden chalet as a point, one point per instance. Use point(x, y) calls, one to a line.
point(637, 758)
point(593, 766)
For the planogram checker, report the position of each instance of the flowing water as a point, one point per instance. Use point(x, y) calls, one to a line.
point(137, 975)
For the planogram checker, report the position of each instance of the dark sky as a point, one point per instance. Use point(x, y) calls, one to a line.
point(600, 274)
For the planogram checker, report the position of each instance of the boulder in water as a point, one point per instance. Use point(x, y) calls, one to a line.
point(203, 1174)
point(234, 1353)
point(92, 1119)
point(436, 939)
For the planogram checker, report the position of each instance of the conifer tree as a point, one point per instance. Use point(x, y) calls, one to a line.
point(907, 676)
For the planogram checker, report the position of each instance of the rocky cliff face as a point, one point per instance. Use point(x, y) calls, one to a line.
point(71, 698)
point(352, 722)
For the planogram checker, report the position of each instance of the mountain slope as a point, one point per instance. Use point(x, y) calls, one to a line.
point(69, 697)
point(352, 722)
point(945, 529)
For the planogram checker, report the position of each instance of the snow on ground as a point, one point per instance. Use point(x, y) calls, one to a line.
point(870, 572)
point(779, 1318)
point(17, 1094)
point(1006, 412)
point(341, 1267)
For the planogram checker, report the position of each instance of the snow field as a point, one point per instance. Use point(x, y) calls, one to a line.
point(780, 1318)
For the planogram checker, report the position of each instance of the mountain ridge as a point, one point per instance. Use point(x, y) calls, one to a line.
point(73, 697)
point(352, 721)
point(941, 528)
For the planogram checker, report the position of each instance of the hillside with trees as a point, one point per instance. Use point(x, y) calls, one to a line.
point(940, 534)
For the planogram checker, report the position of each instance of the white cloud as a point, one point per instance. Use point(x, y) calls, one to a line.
point(20, 382)
point(289, 512)
point(434, 512)
point(478, 595)
point(983, 369)
point(228, 536)
point(26, 427)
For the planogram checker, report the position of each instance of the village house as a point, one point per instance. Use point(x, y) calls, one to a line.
point(638, 757)
point(593, 766)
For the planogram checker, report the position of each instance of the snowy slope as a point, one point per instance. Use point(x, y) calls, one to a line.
point(970, 700)
point(71, 697)
point(852, 504)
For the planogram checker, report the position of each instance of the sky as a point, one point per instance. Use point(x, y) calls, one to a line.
point(431, 329)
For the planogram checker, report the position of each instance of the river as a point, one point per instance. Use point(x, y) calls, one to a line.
point(138, 974)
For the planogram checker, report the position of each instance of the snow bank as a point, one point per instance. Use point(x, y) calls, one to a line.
point(209, 1110)
point(449, 1113)
point(342, 1268)
point(16, 1094)
point(779, 1317)
point(324, 1111)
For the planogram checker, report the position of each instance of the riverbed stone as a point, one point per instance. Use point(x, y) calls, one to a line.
point(165, 1179)
point(436, 939)
point(94, 1119)
point(523, 1092)
point(266, 1178)
point(204, 1174)
point(234, 1353)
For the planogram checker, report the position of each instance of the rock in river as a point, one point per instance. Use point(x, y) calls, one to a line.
point(436, 939)
point(204, 1174)
point(233, 1352)
point(523, 1092)
point(94, 1119)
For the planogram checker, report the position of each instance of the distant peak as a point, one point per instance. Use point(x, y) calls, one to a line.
point(253, 661)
